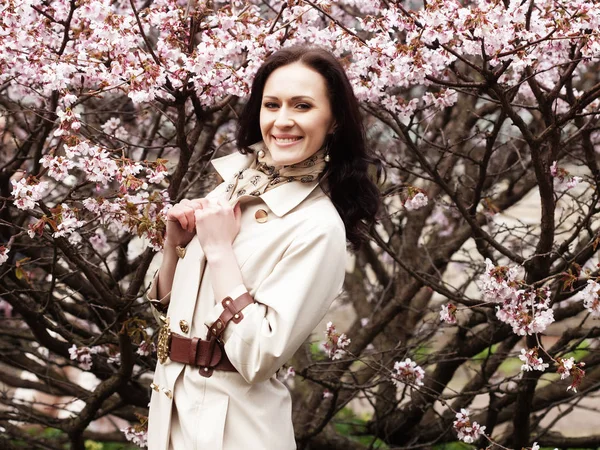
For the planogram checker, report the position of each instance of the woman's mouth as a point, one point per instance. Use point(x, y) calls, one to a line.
point(286, 140)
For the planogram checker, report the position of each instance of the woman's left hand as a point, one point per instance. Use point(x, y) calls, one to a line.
point(217, 225)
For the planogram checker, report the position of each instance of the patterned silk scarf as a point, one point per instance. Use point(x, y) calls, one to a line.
point(263, 174)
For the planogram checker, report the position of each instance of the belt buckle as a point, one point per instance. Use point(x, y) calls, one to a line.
point(164, 342)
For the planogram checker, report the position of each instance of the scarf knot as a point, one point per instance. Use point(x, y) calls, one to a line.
point(263, 174)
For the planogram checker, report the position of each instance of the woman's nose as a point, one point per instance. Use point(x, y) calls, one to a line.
point(283, 119)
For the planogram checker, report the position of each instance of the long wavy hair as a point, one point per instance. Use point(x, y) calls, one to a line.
point(346, 178)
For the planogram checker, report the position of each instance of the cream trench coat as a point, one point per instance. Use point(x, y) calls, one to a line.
point(293, 265)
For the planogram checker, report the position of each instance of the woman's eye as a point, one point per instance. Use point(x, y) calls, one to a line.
point(303, 106)
point(270, 105)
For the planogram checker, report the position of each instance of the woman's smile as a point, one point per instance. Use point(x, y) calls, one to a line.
point(285, 141)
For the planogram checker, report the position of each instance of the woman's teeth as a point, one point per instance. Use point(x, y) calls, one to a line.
point(287, 140)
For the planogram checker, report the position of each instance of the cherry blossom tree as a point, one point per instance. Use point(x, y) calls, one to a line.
point(475, 303)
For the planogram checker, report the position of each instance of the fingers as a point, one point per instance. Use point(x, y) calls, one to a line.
point(197, 203)
point(202, 203)
point(183, 213)
point(215, 207)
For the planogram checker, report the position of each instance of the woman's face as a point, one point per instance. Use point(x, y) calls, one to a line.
point(295, 115)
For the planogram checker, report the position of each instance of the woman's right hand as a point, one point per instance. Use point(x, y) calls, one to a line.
point(181, 223)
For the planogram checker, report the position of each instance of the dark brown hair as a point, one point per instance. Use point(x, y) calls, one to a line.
point(351, 189)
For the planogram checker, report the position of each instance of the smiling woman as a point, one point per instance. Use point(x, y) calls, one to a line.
point(260, 259)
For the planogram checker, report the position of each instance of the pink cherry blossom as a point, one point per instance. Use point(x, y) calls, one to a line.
point(58, 166)
point(531, 360)
point(499, 283)
point(83, 356)
point(526, 310)
point(67, 222)
point(563, 180)
point(569, 368)
point(136, 435)
point(417, 201)
point(27, 192)
point(157, 173)
point(448, 314)
point(69, 122)
point(336, 342)
point(407, 372)
point(591, 299)
point(467, 431)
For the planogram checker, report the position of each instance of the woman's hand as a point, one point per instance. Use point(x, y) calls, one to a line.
point(181, 223)
point(217, 225)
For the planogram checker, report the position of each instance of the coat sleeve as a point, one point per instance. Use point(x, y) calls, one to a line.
point(290, 303)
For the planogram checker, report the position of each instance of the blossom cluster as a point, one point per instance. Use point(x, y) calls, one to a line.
point(83, 356)
point(407, 372)
point(499, 283)
point(67, 223)
point(137, 435)
point(133, 209)
point(143, 213)
point(531, 360)
point(27, 192)
point(591, 300)
point(567, 367)
point(336, 343)
point(416, 199)
point(448, 314)
point(563, 180)
point(527, 311)
point(466, 430)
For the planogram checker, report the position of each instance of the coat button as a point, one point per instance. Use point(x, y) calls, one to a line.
point(154, 387)
point(180, 251)
point(168, 392)
point(261, 216)
point(183, 325)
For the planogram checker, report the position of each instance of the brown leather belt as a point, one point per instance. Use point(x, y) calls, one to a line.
point(208, 355)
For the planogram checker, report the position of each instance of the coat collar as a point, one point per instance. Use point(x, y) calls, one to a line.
point(281, 199)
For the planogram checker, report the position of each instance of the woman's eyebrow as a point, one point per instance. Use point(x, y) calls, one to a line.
point(297, 97)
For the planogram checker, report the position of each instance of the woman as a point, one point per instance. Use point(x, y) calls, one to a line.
point(249, 271)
